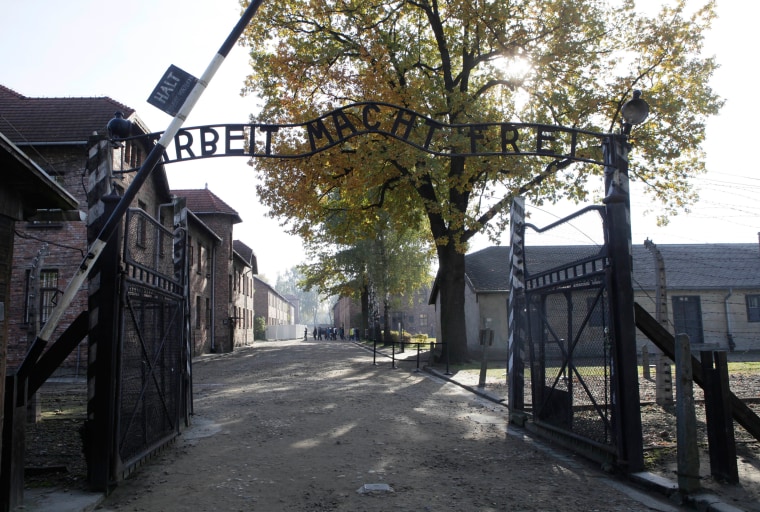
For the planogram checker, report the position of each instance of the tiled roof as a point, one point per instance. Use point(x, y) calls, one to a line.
point(26, 180)
point(34, 120)
point(243, 250)
point(204, 202)
point(246, 254)
point(700, 266)
point(488, 269)
point(687, 266)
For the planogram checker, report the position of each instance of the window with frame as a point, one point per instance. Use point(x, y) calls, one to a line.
point(687, 317)
point(48, 293)
point(753, 308)
point(208, 313)
point(132, 155)
point(198, 312)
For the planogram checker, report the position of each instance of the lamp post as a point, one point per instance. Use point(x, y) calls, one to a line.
point(618, 234)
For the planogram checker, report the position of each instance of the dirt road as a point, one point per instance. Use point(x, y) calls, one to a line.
point(314, 426)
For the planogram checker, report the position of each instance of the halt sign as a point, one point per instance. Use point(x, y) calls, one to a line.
point(172, 91)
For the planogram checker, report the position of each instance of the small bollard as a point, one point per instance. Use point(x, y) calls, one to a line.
point(486, 340)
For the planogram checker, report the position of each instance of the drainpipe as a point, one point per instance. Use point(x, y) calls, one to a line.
point(729, 329)
point(212, 271)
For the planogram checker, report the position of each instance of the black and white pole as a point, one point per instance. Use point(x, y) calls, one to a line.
point(143, 173)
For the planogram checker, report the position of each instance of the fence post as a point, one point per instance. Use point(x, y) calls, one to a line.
point(393, 355)
point(645, 362)
point(374, 352)
point(720, 423)
point(688, 452)
point(418, 358)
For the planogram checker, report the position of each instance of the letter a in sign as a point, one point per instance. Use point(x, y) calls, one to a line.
point(172, 91)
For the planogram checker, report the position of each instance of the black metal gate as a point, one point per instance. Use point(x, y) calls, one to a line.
point(563, 330)
point(151, 359)
point(569, 347)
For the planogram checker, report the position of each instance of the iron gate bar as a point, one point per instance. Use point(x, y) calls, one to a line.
point(572, 368)
point(598, 208)
point(583, 276)
point(152, 362)
point(552, 277)
point(602, 413)
point(141, 274)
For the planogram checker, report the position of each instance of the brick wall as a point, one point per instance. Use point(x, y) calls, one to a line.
point(61, 246)
point(242, 302)
point(223, 308)
point(200, 285)
point(48, 246)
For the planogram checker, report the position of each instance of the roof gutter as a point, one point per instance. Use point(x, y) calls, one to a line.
point(62, 143)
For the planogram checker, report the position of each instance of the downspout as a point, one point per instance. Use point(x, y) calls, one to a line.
point(729, 329)
point(212, 271)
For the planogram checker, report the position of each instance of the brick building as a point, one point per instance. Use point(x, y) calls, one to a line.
point(62, 136)
point(271, 305)
point(414, 315)
point(212, 267)
point(24, 190)
point(201, 241)
point(244, 266)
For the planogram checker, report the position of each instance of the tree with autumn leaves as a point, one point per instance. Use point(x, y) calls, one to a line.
point(557, 62)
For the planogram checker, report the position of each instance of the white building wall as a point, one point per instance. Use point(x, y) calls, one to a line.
point(285, 332)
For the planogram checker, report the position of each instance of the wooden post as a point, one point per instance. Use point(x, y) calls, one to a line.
point(645, 362)
point(688, 452)
point(13, 444)
point(720, 424)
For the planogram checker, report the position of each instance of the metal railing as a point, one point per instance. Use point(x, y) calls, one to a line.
point(402, 345)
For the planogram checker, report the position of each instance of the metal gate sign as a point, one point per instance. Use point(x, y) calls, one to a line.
point(172, 91)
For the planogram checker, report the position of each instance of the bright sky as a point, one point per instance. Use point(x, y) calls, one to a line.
point(121, 49)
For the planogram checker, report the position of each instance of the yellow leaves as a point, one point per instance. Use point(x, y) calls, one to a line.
point(585, 58)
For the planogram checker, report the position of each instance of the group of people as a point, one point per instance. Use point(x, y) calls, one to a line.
point(331, 333)
point(328, 333)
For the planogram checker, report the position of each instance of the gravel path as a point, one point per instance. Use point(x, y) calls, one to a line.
point(314, 426)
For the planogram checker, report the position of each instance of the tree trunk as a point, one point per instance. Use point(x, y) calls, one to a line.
point(451, 294)
point(365, 311)
point(387, 337)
